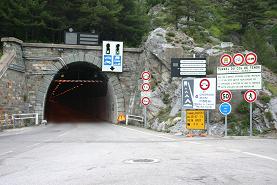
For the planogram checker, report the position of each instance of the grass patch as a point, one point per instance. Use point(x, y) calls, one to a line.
point(264, 98)
point(272, 88)
point(164, 114)
point(269, 116)
point(170, 34)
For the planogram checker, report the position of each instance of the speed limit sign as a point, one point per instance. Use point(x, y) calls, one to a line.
point(225, 96)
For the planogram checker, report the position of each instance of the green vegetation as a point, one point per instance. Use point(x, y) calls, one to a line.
point(46, 20)
point(170, 34)
point(269, 116)
point(272, 88)
point(166, 99)
point(264, 98)
point(164, 114)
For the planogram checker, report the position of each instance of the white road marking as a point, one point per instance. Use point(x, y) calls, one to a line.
point(63, 134)
point(5, 153)
point(260, 156)
point(36, 144)
point(146, 133)
point(234, 150)
point(193, 142)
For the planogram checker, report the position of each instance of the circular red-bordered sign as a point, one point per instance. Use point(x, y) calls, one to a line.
point(226, 60)
point(145, 75)
point(238, 59)
point(204, 84)
point(145, 101)
point(251, 58)
point(250, 96)
point(145, 87)
point(225, 96)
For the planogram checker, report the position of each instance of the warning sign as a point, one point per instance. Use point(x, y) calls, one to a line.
point(195, 119)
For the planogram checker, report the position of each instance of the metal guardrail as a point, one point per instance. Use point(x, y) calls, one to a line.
point(134, 117)
point(25, 116)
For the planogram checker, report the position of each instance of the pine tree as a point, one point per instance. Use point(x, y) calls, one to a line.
point(246, 12)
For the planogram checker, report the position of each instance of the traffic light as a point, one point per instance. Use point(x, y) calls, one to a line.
point(108, 49)
point(117, 49)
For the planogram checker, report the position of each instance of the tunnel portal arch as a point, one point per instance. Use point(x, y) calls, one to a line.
point(116, 93)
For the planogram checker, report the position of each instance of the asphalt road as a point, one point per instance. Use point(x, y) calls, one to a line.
point(92, 154)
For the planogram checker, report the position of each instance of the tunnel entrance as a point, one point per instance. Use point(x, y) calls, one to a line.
point(79, 92)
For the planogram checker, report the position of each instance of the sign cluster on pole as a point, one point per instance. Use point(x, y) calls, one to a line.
point(198, 92)
point(238, 77)
point(145, 92)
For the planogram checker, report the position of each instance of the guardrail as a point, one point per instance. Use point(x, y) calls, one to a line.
point(24, 116)
point(134, 117)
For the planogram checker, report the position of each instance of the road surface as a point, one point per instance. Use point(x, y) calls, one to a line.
point(102, 154)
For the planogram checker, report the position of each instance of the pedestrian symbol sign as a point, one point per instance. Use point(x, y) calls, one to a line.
point(250, 96)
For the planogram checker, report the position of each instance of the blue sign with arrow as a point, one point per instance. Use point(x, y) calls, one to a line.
point(225, 108)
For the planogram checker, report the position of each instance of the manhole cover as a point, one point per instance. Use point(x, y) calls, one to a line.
point(132, 161)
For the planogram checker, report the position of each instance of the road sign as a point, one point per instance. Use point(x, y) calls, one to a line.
point(145, 75)
point(239, 69)
point(225, 108)
point(188, 67)
point(239, 81)
point(250, 96)
point(199, 93)
point(225, 96)
point(145, 87)
point(251, 58)
point(238, 59)
point(204, 84)
point(145, 101)
point(112, 56)
point(195, 119)
point(226, 60)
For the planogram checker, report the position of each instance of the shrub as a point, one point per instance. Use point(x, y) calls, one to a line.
point(265, 98)
point(170, 34)
point(269, 116)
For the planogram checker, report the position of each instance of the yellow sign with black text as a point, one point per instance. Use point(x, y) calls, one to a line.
point(195, 119)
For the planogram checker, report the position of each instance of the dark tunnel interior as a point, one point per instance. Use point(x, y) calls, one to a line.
point(78, 93)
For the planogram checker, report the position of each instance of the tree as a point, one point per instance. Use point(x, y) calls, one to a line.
point(254, 40)
point(192, 10)
point(246, 12)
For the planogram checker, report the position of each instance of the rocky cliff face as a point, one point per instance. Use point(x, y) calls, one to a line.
point(164, 112)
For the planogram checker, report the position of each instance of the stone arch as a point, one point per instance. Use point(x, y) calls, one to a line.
point(114, 84)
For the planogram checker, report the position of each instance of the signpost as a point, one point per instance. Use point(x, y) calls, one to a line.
point(251, 58)
point(225, 109)
point(226, 60)
point(195, 119)
point(225, 96)
point(243, 81)
point(188, 67)
point(250, 96)
point(199, 93)
point(112, 56)
point(238, 78)
point(238, 59)
point(145, 93)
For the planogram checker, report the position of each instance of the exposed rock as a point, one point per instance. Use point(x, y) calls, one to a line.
point(216, 129)
point(226, 45)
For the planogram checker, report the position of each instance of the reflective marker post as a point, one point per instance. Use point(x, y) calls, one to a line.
point(251, 126)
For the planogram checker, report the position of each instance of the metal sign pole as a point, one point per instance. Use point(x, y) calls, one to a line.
point(208, 121)
point(251, 126)
point(226, 125)
point(145, 117)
